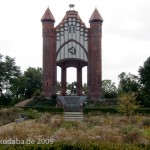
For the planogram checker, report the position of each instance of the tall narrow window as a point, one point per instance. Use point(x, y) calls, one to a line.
point(69, 29)
point(74, 29)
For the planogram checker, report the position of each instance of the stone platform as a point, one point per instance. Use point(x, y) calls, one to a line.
point(72, 103)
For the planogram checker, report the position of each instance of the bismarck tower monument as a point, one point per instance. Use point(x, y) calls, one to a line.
point(72, 44)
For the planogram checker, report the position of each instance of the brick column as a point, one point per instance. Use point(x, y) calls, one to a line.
point(63, 81)
point(79, 81)
point(94, 60)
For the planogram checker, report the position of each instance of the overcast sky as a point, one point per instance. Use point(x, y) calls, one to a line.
point(125, 39)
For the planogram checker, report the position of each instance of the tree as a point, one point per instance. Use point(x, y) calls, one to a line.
point(15, 86)
point(28, 84)
point(85, 89)
point(128, 83)
point(58, 86)
point(8, 72)
point(18, 87)
point(144, 73)
point(72, 88)
point(127, 103)
point(109, 89)
point(33, 81)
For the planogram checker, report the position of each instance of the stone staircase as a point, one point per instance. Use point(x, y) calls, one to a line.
point(72, 107)
point(73, 116)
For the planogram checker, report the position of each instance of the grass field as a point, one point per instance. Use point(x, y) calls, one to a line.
point(116, 129)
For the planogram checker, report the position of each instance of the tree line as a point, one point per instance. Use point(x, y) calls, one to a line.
point(16, 86)
point(130, 83)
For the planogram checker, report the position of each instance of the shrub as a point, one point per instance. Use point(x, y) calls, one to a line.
point(98, 110)
point(127, 103)
point(69, 124)
point(8, 115)
point(39, 101)
point(55, 110)
point(54, 96)
point(146, 122)
point(31, 113)
point(45, 118)
point(84, 145)
point(143, 110)
point(132, 134)
point(37, 93)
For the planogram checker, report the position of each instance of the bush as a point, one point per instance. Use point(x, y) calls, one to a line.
point(131, 134)
point(146, 122)
point(143, 110)
point(54, 96)
point(37, 93)
point(45, 118)
point(98, 110)
point(127, 103)
point(69, 124)
point(8, 115)
point(54, 110)
point(39, 101)
point(84, 145)
point(5, 100)
point(147, 102)
point(31, 113)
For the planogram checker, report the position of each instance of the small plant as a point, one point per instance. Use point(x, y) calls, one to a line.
point(8, 115)
point(147, 134)
point(146, 122)
point(69, 124)
point(45, 118)
point(127, 104)
point(54, 96)
point(32, 114)
point(131, 134)
point(37, 93)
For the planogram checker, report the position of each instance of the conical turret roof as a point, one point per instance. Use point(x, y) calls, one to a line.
point(48, 16)
point(96, 17)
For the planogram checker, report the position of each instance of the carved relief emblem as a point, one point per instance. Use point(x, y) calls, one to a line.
point(72, 50)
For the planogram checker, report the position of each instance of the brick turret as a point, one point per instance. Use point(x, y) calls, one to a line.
point(49, 54)
point(94, 55)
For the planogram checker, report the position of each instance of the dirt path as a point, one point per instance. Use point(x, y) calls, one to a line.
point(11, 126)
point(23, 103)
point(7, 127)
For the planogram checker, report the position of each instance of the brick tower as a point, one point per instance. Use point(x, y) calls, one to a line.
point(72, 44)
point(49, 54)
point(94, 55)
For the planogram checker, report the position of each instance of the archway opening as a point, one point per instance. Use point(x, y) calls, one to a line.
point(71, 81)
point(84, 81)
point(58, 84)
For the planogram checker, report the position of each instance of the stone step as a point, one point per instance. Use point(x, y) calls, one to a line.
point(75, 113)
point(73, 116)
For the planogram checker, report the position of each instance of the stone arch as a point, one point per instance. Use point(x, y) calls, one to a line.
point(71, 41)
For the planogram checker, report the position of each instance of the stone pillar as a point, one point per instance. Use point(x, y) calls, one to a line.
point(79, 81)
point(63, 81)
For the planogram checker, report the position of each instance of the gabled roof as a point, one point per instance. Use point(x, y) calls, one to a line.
point(96, 17)
point(48, 16)
point(70, 13)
